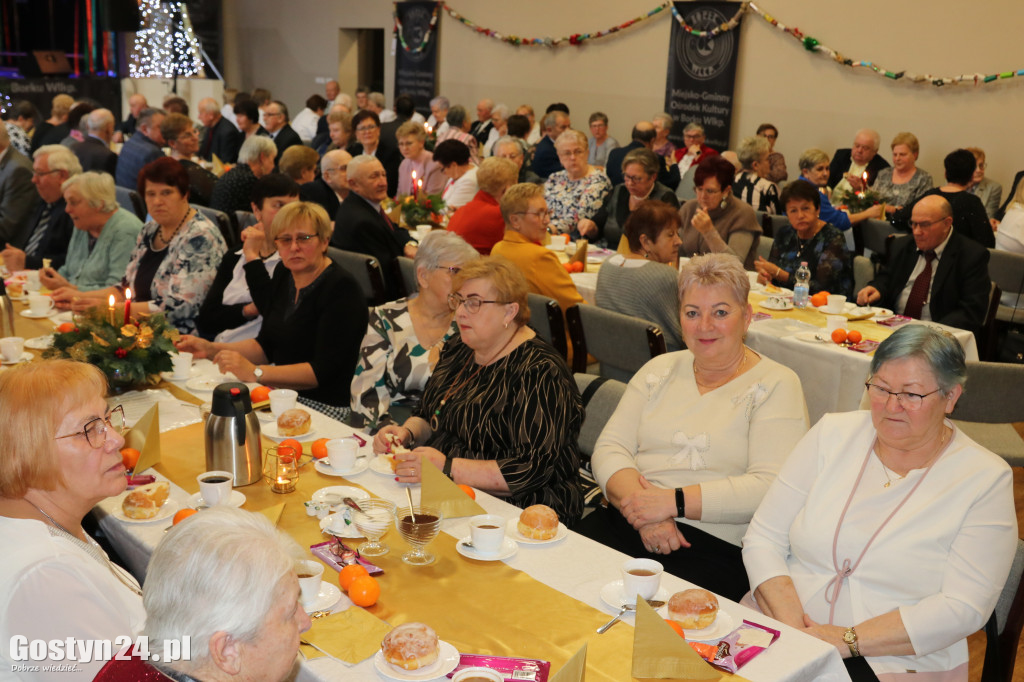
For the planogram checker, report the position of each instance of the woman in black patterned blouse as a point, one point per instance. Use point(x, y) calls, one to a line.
point(501, 411)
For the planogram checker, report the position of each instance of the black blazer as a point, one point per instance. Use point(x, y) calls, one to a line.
point(222, 139)
point(59, 229)
point(841, 163)
point(357, 227)
point(318, 192)
point(389, 156)
point(960, 288)
point(286, 137)
point(94, 155)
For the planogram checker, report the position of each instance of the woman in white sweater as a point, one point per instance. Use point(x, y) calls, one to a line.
point(697, 438)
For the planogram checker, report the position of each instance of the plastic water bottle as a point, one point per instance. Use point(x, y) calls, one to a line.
point(801, 291)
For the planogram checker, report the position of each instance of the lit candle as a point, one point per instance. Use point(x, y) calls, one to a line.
point(414, 182)
point(110, 308)
point(864, 177)
point(127, 305)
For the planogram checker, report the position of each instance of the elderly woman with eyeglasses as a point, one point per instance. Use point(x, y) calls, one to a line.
point(404, 338)
point(501, 412)
point(313, 312)
point(576, 194)
point(61, 457)
point(889, 534)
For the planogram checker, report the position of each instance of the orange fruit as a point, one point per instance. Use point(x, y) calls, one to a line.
point(259, 394)
point(839, 335)
point(183, 514)
point(289, 447)
point(347, 575)
point(130, 457)
point(854, 336)
point(675, 626)
point(364, 591)
point(819, 300)
point(825, 294)
point(469, 491)
point(320, 448)
point(65, 327)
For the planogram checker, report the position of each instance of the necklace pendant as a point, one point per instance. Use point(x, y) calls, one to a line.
point(887, 484)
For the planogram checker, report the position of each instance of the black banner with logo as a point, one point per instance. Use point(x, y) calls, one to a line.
point(41, 91)
point(702, 72)
point(415, 68)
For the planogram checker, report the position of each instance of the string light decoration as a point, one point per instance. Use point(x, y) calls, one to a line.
point(165, 44)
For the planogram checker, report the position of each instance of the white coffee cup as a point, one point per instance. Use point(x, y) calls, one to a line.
point(32, 282)
point(310, 574)
point(182, 363)
point(477, 673)
point(487, 531)
point(836, 303)
point(341, 452)
point(834, 322)
point(12, 348)
point(39, 304)
point(422, 231)
point(640, 577)
point(282, 399)
point(218, 490)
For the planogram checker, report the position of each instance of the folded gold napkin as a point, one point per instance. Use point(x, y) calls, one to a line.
point(582, 246)
point(145, 437)
point(273, 513)
point(660, 653)
point(351, 636)
point(441, 491)
point(574, 669)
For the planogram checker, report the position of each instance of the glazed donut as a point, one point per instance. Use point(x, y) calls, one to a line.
point(411, 646)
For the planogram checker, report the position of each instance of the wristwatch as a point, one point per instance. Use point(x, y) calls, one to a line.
point(680, 504)
point(850, 637)
point(258, 372)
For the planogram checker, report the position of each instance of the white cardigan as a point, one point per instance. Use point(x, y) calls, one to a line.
point(941, 560)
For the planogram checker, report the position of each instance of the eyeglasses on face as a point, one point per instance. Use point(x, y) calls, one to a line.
point(472, 303)
point(95, 430)
point(452, 269)
point(908, 401)
point(636, 179)
point(536, 214)
point(923, 225)
point(572, 153)
point(365, 129)
point(287, 240)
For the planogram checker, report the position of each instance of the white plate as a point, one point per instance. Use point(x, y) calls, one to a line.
point(326, 598)
point(722, 626)
point(381, 465)
point(447, 661)
point(612, 595)
point(769, 305)
point(325, 468)
point(269, 429)
point(508, 549)
point(350, 530)
point(882, 314)
point(512, 531)
point(265, 415)
point(208, 383)
point(815, 337)
point(237, 499)
point(39, 342)
point(341, 491)
point(30, 315)
point(166, 511)
point(25, 357)
point(66, 316)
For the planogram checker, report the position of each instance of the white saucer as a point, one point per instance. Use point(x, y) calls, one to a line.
point(66, 316)
point(25, 357)
point(39, 342)
point(237, 499)
point(768, 305)
point(326, 598)
point(269, 429)
point(823, 337)
point(508, 549)
point(512, 531)
point(612, 595)
point(381, 465)
point(265, 415)
point(447, 661)
point(166, 511)
point(208, 383)
point(325, 468)
point(722, 626)
point(340, 491)
point(29, 314)
point(350, 530)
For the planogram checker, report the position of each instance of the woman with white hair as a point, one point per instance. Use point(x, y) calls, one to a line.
point(662, 128)
point(576, 194)
point(404, 338)
point(499, 127)
point(225, 579)
point(752, 184)
point(104, 237)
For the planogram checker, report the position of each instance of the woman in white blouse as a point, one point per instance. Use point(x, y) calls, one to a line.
point(697, 438)
point(889, 533)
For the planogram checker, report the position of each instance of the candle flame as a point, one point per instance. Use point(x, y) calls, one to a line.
point(128, 294)
point(110, 301)
point(414, 175)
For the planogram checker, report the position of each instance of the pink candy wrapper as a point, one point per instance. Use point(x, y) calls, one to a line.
point(513, 669)
point(728, 654)
point(325, 551)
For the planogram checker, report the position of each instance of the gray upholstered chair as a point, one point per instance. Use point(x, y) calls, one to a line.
point(992, 401)
point(130, 200)
point(547, 320)
point(777, 222)
point(365, 269)
point(622, 344)
point(764, 246)
point(1007, 270)
point(407, 275)
point(876, 233)
point(1003, 629)
point(244, 219)
point(600, 398)
point(863, 272)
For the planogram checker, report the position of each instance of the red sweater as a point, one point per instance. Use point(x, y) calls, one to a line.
point(479, 222)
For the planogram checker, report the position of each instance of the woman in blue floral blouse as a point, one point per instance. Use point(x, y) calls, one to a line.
point(578, 192)
point(808, 239)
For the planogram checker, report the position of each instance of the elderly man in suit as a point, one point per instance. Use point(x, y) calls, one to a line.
point(545, 158)
point(48, 229)
point(361, 224)
point(939, 275)
point(847, 168)
point(283, 135)
point(220, 137)
point(17, 198)
point(332, 187)
point(94, 151)
point(145, 145)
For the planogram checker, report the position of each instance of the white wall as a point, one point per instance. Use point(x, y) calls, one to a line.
point(813, 101)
